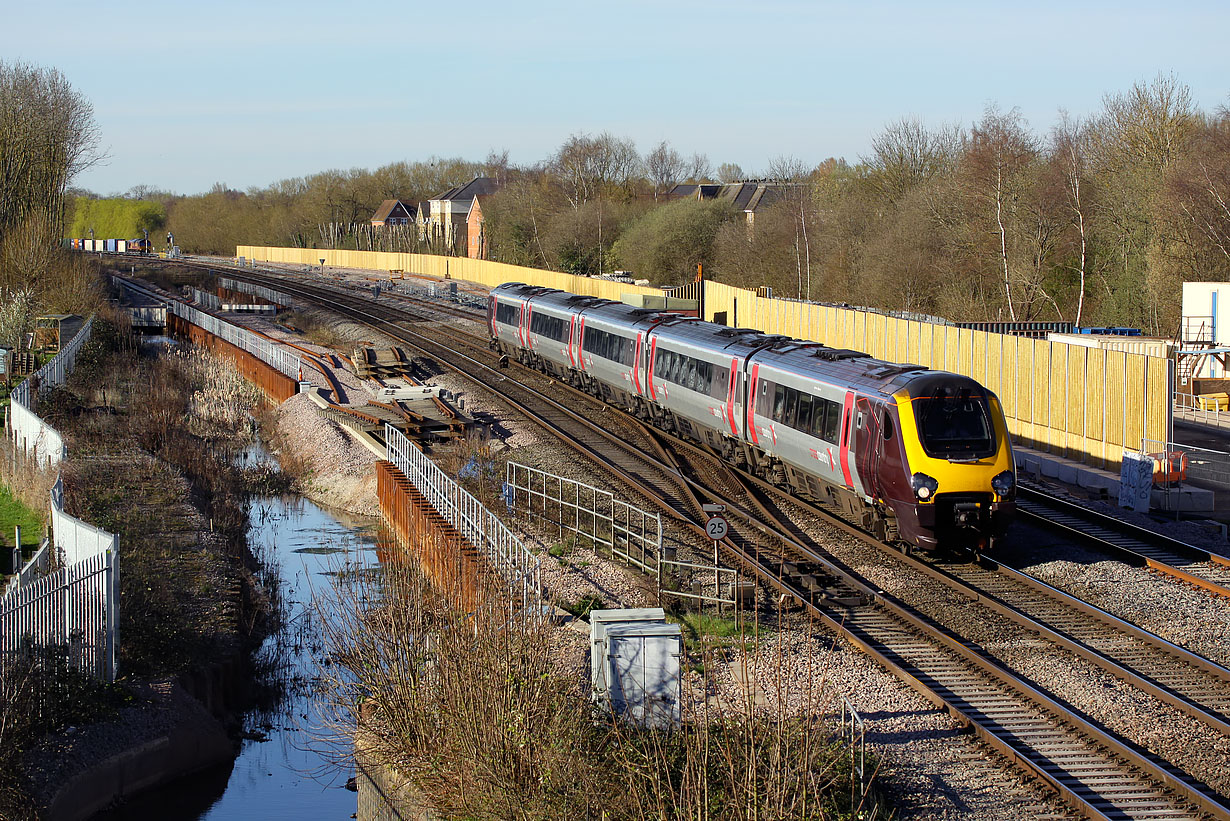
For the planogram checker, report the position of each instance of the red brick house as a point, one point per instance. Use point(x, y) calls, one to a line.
point(476, 235)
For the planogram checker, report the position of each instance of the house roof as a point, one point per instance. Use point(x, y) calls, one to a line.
point(466, 193)
point(387, 208)
point(746, 196)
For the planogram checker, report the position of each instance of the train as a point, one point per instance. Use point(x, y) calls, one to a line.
point(111, 246)
point(920, 458)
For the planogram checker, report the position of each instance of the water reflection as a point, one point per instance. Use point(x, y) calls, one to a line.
point(283, 770)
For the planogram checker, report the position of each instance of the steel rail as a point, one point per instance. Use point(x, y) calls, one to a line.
point(1004, 721)
point(1137, 545)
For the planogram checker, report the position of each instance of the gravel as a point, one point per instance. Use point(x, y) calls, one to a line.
point(931, 767)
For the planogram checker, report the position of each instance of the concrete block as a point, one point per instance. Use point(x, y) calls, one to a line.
point(1184, 500)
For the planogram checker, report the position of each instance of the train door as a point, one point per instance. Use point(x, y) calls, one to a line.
point(868, 446)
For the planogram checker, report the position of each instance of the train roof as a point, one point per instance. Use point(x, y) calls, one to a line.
point(711, 336)
point(856, 370)
point(623, 313)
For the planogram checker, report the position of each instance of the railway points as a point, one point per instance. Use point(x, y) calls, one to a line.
point(1171, 790)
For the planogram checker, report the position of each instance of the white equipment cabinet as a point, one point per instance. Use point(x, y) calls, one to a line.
point(634, 660)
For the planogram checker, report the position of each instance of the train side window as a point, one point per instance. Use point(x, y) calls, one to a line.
point(832, 420)
point(805, 412)
point(792, 406)
point(720, 383)
point(779, 403)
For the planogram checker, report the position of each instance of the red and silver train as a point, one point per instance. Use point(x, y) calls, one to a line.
point(915, 456)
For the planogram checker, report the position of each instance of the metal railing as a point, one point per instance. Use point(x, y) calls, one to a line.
point(626, 531)
point(268, 352)
point(854, 734)
point(1211, 467)
point(206, 299)
point(1204, 409)
point(476, 524)
point(622, 529)
point(276, 297)
point(263, 349)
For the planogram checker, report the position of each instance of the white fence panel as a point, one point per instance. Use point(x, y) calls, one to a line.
point(40, 441)
point(73, 538)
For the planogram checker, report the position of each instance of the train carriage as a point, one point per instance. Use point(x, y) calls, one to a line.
point(696, 380)
point(611, 362)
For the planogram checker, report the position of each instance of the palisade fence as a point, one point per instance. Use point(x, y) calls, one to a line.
point(625, 531)
point(1082, 403)
point(75, 609)
point(480, 527)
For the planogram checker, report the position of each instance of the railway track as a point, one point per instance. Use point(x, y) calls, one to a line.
point(1202, 568)
point(1097, 773)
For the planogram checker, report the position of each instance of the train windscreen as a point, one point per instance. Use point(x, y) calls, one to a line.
point(955, 424)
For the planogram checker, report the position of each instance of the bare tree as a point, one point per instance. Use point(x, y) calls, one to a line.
point(699, 169)
point(906, 155)
point(1069, 149)
point(594, 166)
point(794, 176)
point(47, 137)
point(730, 172)
point(666, 168)
point(1000, 150)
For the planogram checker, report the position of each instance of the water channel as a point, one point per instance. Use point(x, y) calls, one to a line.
point(284, 769)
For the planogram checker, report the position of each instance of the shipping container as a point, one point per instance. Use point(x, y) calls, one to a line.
point(1146, 345)
point(121, 246)
point(1034, 330)
point(109, 245)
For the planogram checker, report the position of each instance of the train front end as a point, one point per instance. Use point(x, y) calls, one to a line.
point(959, 456)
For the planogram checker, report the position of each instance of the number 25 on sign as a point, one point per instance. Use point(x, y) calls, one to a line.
point(717, 528)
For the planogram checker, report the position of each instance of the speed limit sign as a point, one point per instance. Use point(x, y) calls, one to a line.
point(716, 528)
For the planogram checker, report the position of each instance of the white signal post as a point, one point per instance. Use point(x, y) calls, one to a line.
point(716, 529)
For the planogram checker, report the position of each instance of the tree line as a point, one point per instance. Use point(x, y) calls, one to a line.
point(1095, 220)
point(47, 137)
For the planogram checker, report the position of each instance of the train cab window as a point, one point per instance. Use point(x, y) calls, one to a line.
point(887, 427)
point(955, 424)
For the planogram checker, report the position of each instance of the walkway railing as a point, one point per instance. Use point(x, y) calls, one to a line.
point(476, 524)
point(263, 349)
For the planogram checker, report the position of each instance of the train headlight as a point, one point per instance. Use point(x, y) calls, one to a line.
point(1004, 484)
point(924, 486)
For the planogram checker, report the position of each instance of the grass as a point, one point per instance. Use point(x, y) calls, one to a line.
point(581, 607)
point(14, 513)
point(708, 628)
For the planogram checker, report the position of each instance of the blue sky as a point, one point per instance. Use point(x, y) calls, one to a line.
point(246, 93)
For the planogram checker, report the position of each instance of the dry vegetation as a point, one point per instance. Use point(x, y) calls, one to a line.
point(486, 718)
point(151, 443)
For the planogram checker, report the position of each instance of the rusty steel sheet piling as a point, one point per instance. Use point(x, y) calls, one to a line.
point(451, 563)
point(277, 386)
